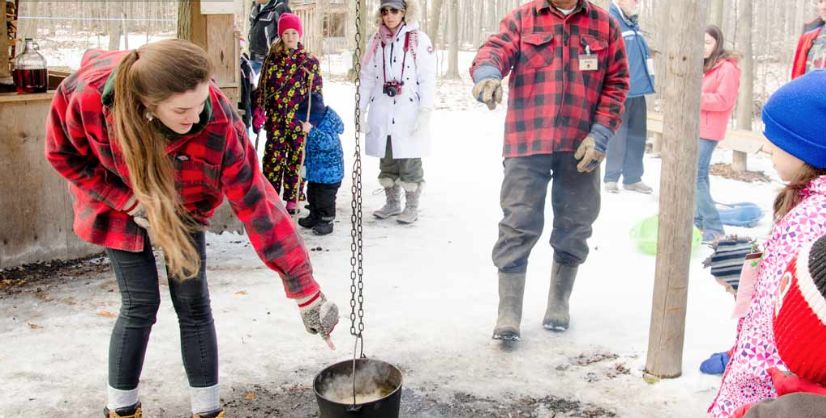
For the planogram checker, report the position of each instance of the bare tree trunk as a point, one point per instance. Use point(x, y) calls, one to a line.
point(115, 25)
point(716, 12)
point(362, 28)
point(435, 20)
point(602, 3)
point(746, 98)
point(681, 129)
point(453, 42)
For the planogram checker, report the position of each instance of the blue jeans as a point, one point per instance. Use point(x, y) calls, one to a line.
point(137, 279)
point(706, 216)
point(627, 147)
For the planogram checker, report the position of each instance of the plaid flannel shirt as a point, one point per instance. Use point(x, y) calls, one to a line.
point(552, 105)
point(217, 161)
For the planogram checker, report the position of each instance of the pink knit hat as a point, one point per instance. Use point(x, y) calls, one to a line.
point(289, 21)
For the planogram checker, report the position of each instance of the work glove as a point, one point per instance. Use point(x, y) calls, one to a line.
point(489, 92)
point(138, 215)
point(320, 316)
point(422, 121)
point(258, 119)
point(589, 155)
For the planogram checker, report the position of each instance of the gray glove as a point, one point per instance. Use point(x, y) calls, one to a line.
point(589, 155)
point(320, 316)
point(489, 92)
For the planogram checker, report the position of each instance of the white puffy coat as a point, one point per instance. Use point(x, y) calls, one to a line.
point(396, 116)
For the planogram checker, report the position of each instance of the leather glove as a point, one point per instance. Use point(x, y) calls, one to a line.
point(320, 316)
point(588, 155)
point(489, 92)
point(422, 121)
point(258, 119)
point(138, 215)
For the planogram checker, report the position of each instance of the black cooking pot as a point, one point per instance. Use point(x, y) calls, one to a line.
point(378, 390)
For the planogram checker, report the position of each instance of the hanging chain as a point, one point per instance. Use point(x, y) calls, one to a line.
point(356, 232)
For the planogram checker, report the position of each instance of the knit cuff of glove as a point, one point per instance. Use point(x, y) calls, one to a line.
point(306, 302)
point(601, 135)
point(486, 72)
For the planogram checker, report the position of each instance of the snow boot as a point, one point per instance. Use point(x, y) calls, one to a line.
point(134, 411)
point(309, 221)
point(511, 291)
point(323, 227)
point(214, 414)
point(412, 191)
point(557, 318)
point(392, 192)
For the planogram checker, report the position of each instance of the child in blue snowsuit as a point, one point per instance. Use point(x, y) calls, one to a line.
point(324, 163)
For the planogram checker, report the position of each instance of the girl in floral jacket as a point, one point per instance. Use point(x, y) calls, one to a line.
point(289, 76)
point(794, 126)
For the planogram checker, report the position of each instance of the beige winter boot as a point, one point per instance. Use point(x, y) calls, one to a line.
point(393, 206)
point(412, 192)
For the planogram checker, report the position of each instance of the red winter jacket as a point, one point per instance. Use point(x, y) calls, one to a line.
point(801, 54)
point(215, 162)
point(721, 86)
point(552, 104)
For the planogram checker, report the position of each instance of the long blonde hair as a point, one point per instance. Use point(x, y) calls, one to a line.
point(146, 77)
point(790, 196)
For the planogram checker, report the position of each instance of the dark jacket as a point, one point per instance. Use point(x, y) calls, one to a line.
point(264, 26)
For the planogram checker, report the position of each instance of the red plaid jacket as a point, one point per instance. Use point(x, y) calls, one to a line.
point(215, 162)
point(552, 105)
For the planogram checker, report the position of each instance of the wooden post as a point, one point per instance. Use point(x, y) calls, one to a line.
point(678, 183)
point(745, 101)
point(5, 73)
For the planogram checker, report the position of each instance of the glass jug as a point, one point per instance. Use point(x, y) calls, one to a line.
point(30, 73)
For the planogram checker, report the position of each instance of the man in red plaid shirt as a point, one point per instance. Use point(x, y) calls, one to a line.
point(568, 81)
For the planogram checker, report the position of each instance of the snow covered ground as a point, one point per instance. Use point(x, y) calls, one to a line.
point(430, 300)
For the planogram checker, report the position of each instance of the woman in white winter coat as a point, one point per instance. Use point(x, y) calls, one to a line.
point(398, 82)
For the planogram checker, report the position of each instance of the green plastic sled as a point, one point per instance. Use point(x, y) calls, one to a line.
point(644, 235)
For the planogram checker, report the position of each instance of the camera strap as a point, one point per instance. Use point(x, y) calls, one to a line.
point(404, 59)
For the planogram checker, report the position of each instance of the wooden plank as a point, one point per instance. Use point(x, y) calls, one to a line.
point(222, 46)
point(36, 207)
point(5, 72)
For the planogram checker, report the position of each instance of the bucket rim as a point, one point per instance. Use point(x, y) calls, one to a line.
point(317, 378)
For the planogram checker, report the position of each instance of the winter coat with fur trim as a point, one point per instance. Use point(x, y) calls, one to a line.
point(387, 60)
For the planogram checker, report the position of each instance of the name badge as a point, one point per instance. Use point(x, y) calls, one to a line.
point(589, 61)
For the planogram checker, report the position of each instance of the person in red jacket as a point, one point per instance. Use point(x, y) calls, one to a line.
point(811, 48)
point(150, 148)
point(721, 85)
point(567, 87)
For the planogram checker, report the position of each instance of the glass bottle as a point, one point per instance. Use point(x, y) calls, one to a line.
point(30, 72)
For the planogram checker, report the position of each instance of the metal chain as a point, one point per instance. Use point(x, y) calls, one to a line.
point(356, 231)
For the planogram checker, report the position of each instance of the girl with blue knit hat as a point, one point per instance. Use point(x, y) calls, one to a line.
point(795, 125)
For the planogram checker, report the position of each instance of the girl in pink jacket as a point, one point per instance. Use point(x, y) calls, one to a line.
point(794, 124)
point(721, 83)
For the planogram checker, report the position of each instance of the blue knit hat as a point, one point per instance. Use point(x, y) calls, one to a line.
point(794, 118)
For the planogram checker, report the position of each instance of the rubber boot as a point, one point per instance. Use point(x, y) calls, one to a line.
point(557, 317)
point(412, 191)
point(393, 206)
point(511, 291)
point(134, 411)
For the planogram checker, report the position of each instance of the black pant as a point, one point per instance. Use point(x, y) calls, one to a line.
point(137, 279)
point(322, 200)
point(575, 201)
